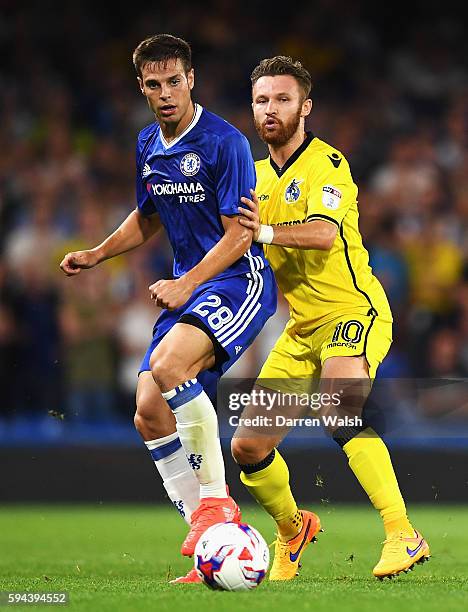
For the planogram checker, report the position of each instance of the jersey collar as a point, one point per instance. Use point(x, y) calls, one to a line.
point(280, 171)
point(196, 116)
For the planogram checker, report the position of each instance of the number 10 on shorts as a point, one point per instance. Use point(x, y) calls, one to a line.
point(351, 331)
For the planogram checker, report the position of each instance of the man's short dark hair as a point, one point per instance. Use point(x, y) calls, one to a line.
point(161, 48)
point(281, 64)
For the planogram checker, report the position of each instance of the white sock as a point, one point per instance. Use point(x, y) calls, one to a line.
point(197, 426)
point(180, 482)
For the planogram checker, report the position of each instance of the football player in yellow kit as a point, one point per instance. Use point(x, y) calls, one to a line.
point(304, 210)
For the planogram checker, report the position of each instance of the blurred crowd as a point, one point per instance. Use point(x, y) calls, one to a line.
point(392, 98)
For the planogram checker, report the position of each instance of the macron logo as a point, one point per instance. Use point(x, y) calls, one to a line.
point(146, 171)
point(238, 349)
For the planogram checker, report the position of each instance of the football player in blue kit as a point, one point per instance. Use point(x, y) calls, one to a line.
point(193, 168)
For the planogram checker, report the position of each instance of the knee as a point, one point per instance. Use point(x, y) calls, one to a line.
point(143, 416)
point(153, 419)
point(168, 370)
point(249, 451)
point(140, 422)
point(145, 407)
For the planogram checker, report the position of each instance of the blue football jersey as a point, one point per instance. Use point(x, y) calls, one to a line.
point(193, 180)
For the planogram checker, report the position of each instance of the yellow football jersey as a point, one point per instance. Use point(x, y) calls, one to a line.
point(316, 183)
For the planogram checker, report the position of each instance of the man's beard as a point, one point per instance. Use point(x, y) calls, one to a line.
point(283, 131)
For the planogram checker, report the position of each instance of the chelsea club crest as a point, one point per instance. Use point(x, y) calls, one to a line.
point(293, 193)
point(190, 164)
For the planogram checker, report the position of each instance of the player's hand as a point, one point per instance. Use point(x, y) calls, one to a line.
point(73, 263)
point(250, 216)
point(171, 294)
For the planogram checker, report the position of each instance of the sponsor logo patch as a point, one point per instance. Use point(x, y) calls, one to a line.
point(331, 197)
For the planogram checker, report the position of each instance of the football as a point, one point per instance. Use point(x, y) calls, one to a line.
point(231, 557)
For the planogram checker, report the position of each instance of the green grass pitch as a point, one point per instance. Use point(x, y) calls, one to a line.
point(120, 558)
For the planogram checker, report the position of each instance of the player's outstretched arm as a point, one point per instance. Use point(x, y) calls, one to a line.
point(236, 241)
point(134, 231)
point(316, 234)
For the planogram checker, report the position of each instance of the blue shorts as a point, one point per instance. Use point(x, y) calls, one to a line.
point(231, 311)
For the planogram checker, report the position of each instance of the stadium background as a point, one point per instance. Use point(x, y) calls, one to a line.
point(391, 94)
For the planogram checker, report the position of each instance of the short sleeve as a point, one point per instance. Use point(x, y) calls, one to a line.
point(235, 173)
point(331, 193)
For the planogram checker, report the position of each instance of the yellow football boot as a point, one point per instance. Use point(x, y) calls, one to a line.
point(400, 553)
point(288, 554)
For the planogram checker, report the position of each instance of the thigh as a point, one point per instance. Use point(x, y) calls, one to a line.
point(187, 345)
point(350, 349)
point(168, 319)
point(343, 390)
point(232, 312)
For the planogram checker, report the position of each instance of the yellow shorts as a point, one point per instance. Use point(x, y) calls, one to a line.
point(302, 357)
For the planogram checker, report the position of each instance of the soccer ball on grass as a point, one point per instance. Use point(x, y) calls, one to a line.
point(231, 557)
